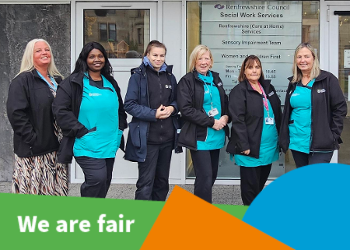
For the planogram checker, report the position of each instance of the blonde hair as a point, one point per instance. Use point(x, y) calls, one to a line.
point(27, 59)
point(197, 52)
point(315, 70)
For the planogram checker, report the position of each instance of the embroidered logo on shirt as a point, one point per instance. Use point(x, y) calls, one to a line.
point(220, 84)
point(321, 91)
point(94, 94)
point(295, 94)
point(271, 93)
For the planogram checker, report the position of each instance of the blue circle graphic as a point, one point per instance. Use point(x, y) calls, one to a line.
point(307, 208)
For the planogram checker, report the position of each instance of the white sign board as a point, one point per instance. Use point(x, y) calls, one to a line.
point(348, 87)
point(346, 58)
point(269, 30)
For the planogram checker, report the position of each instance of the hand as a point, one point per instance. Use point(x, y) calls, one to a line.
point(218, 124)
point(160, 111)
point(246, 152)
point(164, 112)
point(224, 119)
point(170, 109)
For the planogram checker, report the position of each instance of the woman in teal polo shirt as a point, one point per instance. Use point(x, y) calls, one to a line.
point(89, 109)
point(255, 110)
point(314, 111)
point(202, 102)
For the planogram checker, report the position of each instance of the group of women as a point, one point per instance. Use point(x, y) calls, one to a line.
point(84, 116)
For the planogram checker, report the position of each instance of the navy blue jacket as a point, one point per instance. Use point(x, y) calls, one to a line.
point(137, 104)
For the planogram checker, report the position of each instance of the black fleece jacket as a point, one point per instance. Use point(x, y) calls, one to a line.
point(29, 112)
point(327, 114)
point(190, 98)
point(246, 109)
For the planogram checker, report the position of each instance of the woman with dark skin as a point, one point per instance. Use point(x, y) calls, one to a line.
point(89, 109)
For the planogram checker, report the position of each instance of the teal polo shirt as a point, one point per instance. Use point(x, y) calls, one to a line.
point(268, 146)
point(300, 118)
point(215, 139)
point(99, 108)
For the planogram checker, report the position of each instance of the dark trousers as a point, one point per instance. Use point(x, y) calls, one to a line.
point(153, 182)
point(205, 164)
point(253, 180)
point(303, 159)
point(98, 176)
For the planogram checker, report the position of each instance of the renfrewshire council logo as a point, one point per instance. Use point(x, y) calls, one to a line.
point(219, 6)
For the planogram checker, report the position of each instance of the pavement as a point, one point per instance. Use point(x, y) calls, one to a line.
point(222, 194)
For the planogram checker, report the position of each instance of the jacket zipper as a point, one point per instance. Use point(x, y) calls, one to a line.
point(311, 130)
point(160, 97)
point(206, 136)
point(145, 75)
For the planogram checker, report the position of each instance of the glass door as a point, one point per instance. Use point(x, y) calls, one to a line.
point(124, 29)
point(339, 54)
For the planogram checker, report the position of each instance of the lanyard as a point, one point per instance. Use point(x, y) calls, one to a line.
point(54, 87)
point(266, 105)
point(210, 93)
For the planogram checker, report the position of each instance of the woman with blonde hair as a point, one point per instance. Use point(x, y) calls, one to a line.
point(203, 105)
point(36, 135)
point(314, 111)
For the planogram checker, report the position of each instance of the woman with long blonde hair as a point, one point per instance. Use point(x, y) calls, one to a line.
point(36, 134)
point(314, 111)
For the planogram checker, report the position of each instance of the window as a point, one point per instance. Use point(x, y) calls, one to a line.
point(123, 33)
point(139, 35)
point(109, 35)
point(112, 33)
point(235, 29)
point(103, 32)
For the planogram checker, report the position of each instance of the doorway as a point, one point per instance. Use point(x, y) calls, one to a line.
point(124, 29)
point(339, 65)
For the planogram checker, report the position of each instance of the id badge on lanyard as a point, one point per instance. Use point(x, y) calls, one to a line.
point(268, 120)
point(213, 111)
